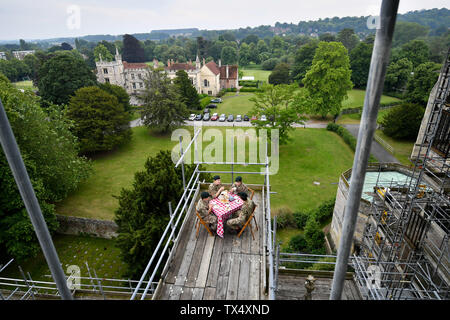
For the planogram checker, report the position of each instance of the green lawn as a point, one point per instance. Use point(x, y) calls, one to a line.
point(233, 104)
point(259, 74)
point(100, 254)
point(26, 84)
point(402, 148)
point(313, 155)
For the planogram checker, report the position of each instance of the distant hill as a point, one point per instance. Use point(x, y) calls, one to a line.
point(433, 18)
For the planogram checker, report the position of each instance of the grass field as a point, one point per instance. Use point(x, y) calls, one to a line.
point(313, 155)
point(259, 74)
point(26, 84)
point(100, 254)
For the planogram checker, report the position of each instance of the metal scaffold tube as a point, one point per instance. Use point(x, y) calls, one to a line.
point(378, 65)
point(26, 190)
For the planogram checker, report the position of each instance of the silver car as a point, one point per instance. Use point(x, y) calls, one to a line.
point(238, 118)
point(222, 117)
point(263, 118)
point(192, 117)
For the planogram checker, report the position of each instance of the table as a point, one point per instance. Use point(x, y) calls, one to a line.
point(224, 211)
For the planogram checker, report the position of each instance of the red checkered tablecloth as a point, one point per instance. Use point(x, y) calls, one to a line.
point(224, 211)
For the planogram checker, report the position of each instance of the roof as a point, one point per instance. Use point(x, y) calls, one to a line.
point(232, 72)
point(180, 66)
point(213, 67)
point(134, 65)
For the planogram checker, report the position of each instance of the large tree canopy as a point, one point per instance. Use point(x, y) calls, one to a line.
point(360, 64)
point(420, 84)
point(303, 60)
point(62, 75)
point(132, 49)
point(187, 91)
point(50, 153)
point(328, 79)
point(164, 108)
point(100, 121)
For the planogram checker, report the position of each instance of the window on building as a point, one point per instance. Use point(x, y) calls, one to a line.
point(107, 80)
point(210, 93)
point(132, 76)
point(134, 85)
point(140, 76)
point(141, 84)
point(206, 83)
point(441, 142)
point(105, 71)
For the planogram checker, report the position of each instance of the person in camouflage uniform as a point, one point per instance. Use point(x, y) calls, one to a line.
point(216, 187)
point(240, 217)
point(204, 209)
point(238, 186)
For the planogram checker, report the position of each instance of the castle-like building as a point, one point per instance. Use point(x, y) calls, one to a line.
point(208, 78)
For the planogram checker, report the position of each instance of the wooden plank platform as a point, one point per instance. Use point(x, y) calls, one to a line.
point(207, 268)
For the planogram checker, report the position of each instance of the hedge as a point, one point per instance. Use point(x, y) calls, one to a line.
point(250, 89)
point(347, 136)
point(249, 83)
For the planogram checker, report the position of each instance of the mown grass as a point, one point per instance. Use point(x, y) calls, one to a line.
point(313, 155)
point(101, 255)
point(402, 148)
point(26, 84)
point(262, 75)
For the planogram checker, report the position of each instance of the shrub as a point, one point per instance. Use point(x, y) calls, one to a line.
point(314, 235)
point(205, 101)
point(249, 83)
point(285, 218)
point(300, 218)
point(325, 211)
point(403, 122)
point(250, 89)
point(298, 243)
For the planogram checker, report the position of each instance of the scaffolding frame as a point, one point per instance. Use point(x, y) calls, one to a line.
point(407, 232)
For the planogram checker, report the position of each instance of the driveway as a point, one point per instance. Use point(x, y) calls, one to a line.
point(377, 150)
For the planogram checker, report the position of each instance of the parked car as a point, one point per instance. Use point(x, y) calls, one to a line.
point(246, 118)
point(230, 118)
point(212, 106)
point(206, 110)
point(216, 100)
point(206, 117)
point(254, 118)
point(214, 117)
point(198, 117)
point(222, 117)
point(238, 118)
point(192, 117)
point(263, 118)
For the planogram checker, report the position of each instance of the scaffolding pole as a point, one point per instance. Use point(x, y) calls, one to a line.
point(15, 161)
point(378, 65)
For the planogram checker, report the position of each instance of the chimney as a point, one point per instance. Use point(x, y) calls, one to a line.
point(220, 63)
point(171, 61)
point(227, 71)
point(203, 61)
point(168, 62)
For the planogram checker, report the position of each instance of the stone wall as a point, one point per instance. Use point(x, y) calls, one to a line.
point(76, 225)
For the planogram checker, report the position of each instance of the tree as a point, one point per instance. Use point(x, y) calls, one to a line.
point(66, 46)
point(416, 51)
point(403, 121)
point(314, 236)
point(50, 154)
point(303, 60)
point(62, 75)
point(277, 103)
point(251, 38)
point(280, 74)
point(132, 49)
point(101, 50)
point(270, 64)
point(327, 37)
point(328, 79)
point(229, 55)
point(420, 84)
point(14, 69)
point(120, 93)
point(348, 38)
point(143, 212)
point(100, 122)
point(397, 75)
point(187, 91)
point(163, 105)
point(244, 54)
point(360, 64)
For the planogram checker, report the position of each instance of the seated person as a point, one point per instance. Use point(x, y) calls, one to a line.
point(239, 186)
point(240, 217)
point(216, 187)
point(204, 207)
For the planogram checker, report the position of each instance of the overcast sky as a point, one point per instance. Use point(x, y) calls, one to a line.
point(40, 19)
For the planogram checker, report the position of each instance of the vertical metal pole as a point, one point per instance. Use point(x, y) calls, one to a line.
point(20, 173)
point(171, 214)
point(378, 65)
point(30, 288)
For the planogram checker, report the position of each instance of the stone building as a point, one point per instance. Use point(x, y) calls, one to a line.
point(21, 54)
